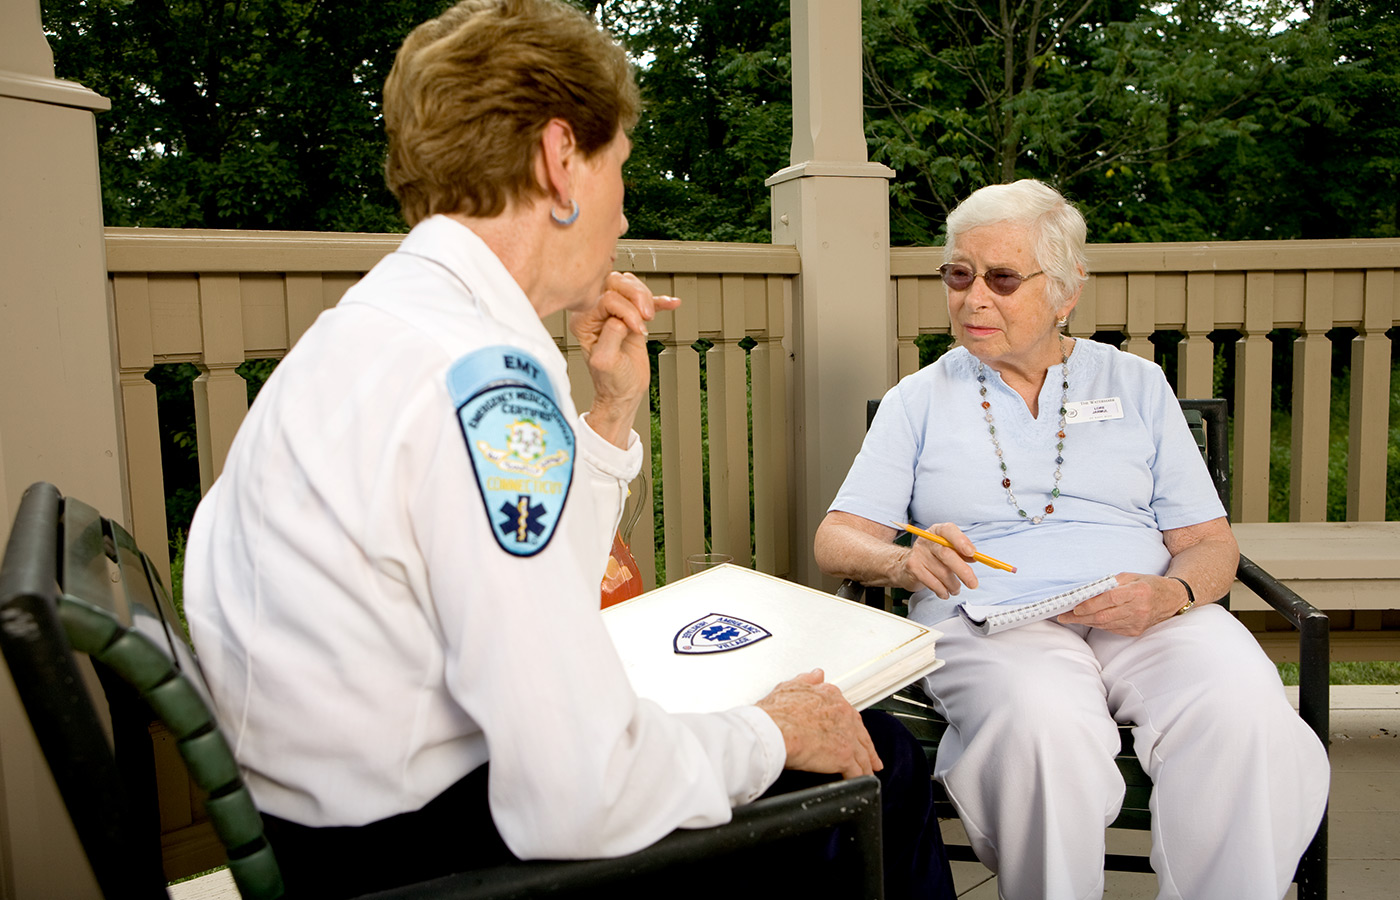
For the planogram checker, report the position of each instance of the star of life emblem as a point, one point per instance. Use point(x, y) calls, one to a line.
point(718, 633)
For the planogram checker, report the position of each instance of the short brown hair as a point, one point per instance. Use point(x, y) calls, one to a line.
point(472, 90)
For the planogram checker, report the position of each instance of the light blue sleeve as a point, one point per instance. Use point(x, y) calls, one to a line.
point(880, 483)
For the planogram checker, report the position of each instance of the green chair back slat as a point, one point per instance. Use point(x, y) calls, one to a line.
point(137, 659)
point(235, 818)
point(89, 629)
point(1197, 423)
point(85, 566)
point(256, 873)
point(210, 761)
point(180, 706)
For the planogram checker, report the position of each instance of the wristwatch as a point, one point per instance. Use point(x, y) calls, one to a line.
point(1190, 596)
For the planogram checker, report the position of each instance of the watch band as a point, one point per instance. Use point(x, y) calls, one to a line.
point(1190, 596)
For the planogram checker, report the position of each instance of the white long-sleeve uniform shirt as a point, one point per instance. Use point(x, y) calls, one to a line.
point(375, 620)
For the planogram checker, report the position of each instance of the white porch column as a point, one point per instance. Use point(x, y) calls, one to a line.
point(58, 409)
point(833, 204)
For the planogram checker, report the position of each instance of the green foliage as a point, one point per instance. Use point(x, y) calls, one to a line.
point(932, 346)
point(1178, 121)
point(178, 445)
point(1349, 673)
point(1188, 120)
point(717, 119)
point(177, 576)
point(1339, 443)
point(255, 114)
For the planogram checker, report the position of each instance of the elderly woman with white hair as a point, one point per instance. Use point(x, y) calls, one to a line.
point(998, 441)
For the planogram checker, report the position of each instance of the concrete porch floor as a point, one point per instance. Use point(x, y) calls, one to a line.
point(1364, 836)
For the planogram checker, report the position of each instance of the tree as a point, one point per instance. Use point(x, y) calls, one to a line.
point(241, 114)
point(1190, 120)
point(1101, 97)
point(716, 119)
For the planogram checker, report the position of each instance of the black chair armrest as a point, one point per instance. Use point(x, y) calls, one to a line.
point(766, 820)
point(1314, 635)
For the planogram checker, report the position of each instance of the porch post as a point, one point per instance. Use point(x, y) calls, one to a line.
point(833, 204)
point(58, 408)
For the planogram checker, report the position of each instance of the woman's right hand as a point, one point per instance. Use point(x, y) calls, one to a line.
point(613, 337)
point(943, 570)
point(850, 546)
point(822, 732)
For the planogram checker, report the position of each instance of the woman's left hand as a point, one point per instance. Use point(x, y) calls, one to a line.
point(1138, 603)
point(1204, 555)
point(613, 337)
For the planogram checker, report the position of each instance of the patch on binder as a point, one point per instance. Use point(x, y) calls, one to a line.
point(717, 633)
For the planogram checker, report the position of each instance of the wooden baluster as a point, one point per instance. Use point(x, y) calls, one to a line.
point(1254, 392)
point(682, 475)
point(771, 438)
point(1196, 359)
point(1142, 313)
point(1085, 320)
point(1370, 401)
point(305, 301)
point(580, 382)
point(727, 369)
point(1312, 402)
point(907, 322)
point(140, 418)
point(220, 393)
point(642, 539)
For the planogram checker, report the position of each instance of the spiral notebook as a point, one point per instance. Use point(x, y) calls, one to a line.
point(727, 636)
point(991, 619)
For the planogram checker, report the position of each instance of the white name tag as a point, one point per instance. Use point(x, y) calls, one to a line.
point(1080, 411)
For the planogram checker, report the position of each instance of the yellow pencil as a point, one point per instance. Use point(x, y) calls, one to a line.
point(979, 557)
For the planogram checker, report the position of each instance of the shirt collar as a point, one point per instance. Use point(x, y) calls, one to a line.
point(466, 256)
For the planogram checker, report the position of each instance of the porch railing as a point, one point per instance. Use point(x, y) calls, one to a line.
point(216, 299)
point(1224, 296)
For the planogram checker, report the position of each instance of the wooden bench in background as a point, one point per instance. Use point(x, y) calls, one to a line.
point(1349, 570)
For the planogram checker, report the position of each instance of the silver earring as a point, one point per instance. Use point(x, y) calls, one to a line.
point(1062, 322)
point(573, 216)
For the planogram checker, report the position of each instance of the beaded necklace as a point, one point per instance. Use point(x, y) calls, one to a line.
point(1060, 435)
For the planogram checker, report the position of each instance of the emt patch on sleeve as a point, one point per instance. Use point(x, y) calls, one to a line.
point(520, 444)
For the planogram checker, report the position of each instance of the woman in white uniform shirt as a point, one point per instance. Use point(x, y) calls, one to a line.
point(396, 577)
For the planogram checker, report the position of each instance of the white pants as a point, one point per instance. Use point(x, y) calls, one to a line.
point(1240, 782)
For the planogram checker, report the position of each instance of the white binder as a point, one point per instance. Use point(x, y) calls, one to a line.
point(726, 636)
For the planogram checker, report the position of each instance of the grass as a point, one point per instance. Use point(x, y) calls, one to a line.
point(1350, 673)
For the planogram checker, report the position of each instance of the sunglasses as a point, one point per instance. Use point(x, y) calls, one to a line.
point(1000, 280)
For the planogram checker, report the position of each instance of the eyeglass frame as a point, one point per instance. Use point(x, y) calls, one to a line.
point(994, 270)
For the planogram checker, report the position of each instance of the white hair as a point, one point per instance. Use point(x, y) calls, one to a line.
point(1057, 230)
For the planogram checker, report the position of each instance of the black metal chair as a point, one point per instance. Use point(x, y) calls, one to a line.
point(1209, 421)
point(73, 582)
